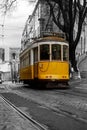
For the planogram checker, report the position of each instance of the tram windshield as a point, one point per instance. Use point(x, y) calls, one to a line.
point(44, 52)
point(56, 52)
point(65, 52)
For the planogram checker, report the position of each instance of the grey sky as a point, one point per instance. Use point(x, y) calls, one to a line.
point(14, 24)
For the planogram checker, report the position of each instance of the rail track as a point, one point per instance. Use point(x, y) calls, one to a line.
point(35, 124)
point(72, 93)
point(54, 109)
point(66, 92)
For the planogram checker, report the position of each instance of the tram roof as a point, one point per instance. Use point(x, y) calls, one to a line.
point(50, 38)
point(45, 39)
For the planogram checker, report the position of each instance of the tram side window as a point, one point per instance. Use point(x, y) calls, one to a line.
point(21, 62)
point(56, 52)
point(29, 58)
point(44, 52)
point(35, 54)
point(65, 52)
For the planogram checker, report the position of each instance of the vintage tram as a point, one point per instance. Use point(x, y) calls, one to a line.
point(45, 60)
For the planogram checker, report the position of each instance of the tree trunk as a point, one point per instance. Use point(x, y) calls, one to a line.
point(73, 58)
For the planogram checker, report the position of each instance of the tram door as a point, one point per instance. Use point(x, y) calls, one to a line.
point(36, 62)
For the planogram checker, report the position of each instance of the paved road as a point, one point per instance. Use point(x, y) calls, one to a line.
point(7, 114)
point(83, 67)
point(10, 119)
point(49, 109)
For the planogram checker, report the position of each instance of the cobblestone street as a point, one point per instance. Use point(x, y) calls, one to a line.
point(10, 120)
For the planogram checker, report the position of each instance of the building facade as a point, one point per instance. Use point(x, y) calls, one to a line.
point(40, 23)
point(9, 68)
point(82, 46)
point(14, 62)
point(2, 54)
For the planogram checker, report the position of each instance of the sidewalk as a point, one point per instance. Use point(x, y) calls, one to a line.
point(10, 120)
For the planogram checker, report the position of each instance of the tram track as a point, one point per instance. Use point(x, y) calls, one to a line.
point(55, 109)
point(23, 115)
point(64, 101)
point(72, 93)
point(67, 102)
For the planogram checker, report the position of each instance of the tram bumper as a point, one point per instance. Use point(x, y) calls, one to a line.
point(54, 77)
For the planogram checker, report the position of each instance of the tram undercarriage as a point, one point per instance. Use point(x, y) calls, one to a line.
point(47, 83)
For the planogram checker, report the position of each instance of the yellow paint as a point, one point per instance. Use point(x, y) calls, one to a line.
point(46, 70)
point(26, 73)
point(53, 70)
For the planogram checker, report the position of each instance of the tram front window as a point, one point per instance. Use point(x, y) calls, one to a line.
point(65, 53)
point(56, 52)
point(44, 52)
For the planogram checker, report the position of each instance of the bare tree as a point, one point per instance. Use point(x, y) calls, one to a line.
point(6, 5)
point(70, 11)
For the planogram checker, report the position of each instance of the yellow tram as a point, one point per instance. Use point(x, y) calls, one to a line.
point(45, 60)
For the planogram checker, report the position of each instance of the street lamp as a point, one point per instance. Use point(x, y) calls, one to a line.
point(2, 27)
